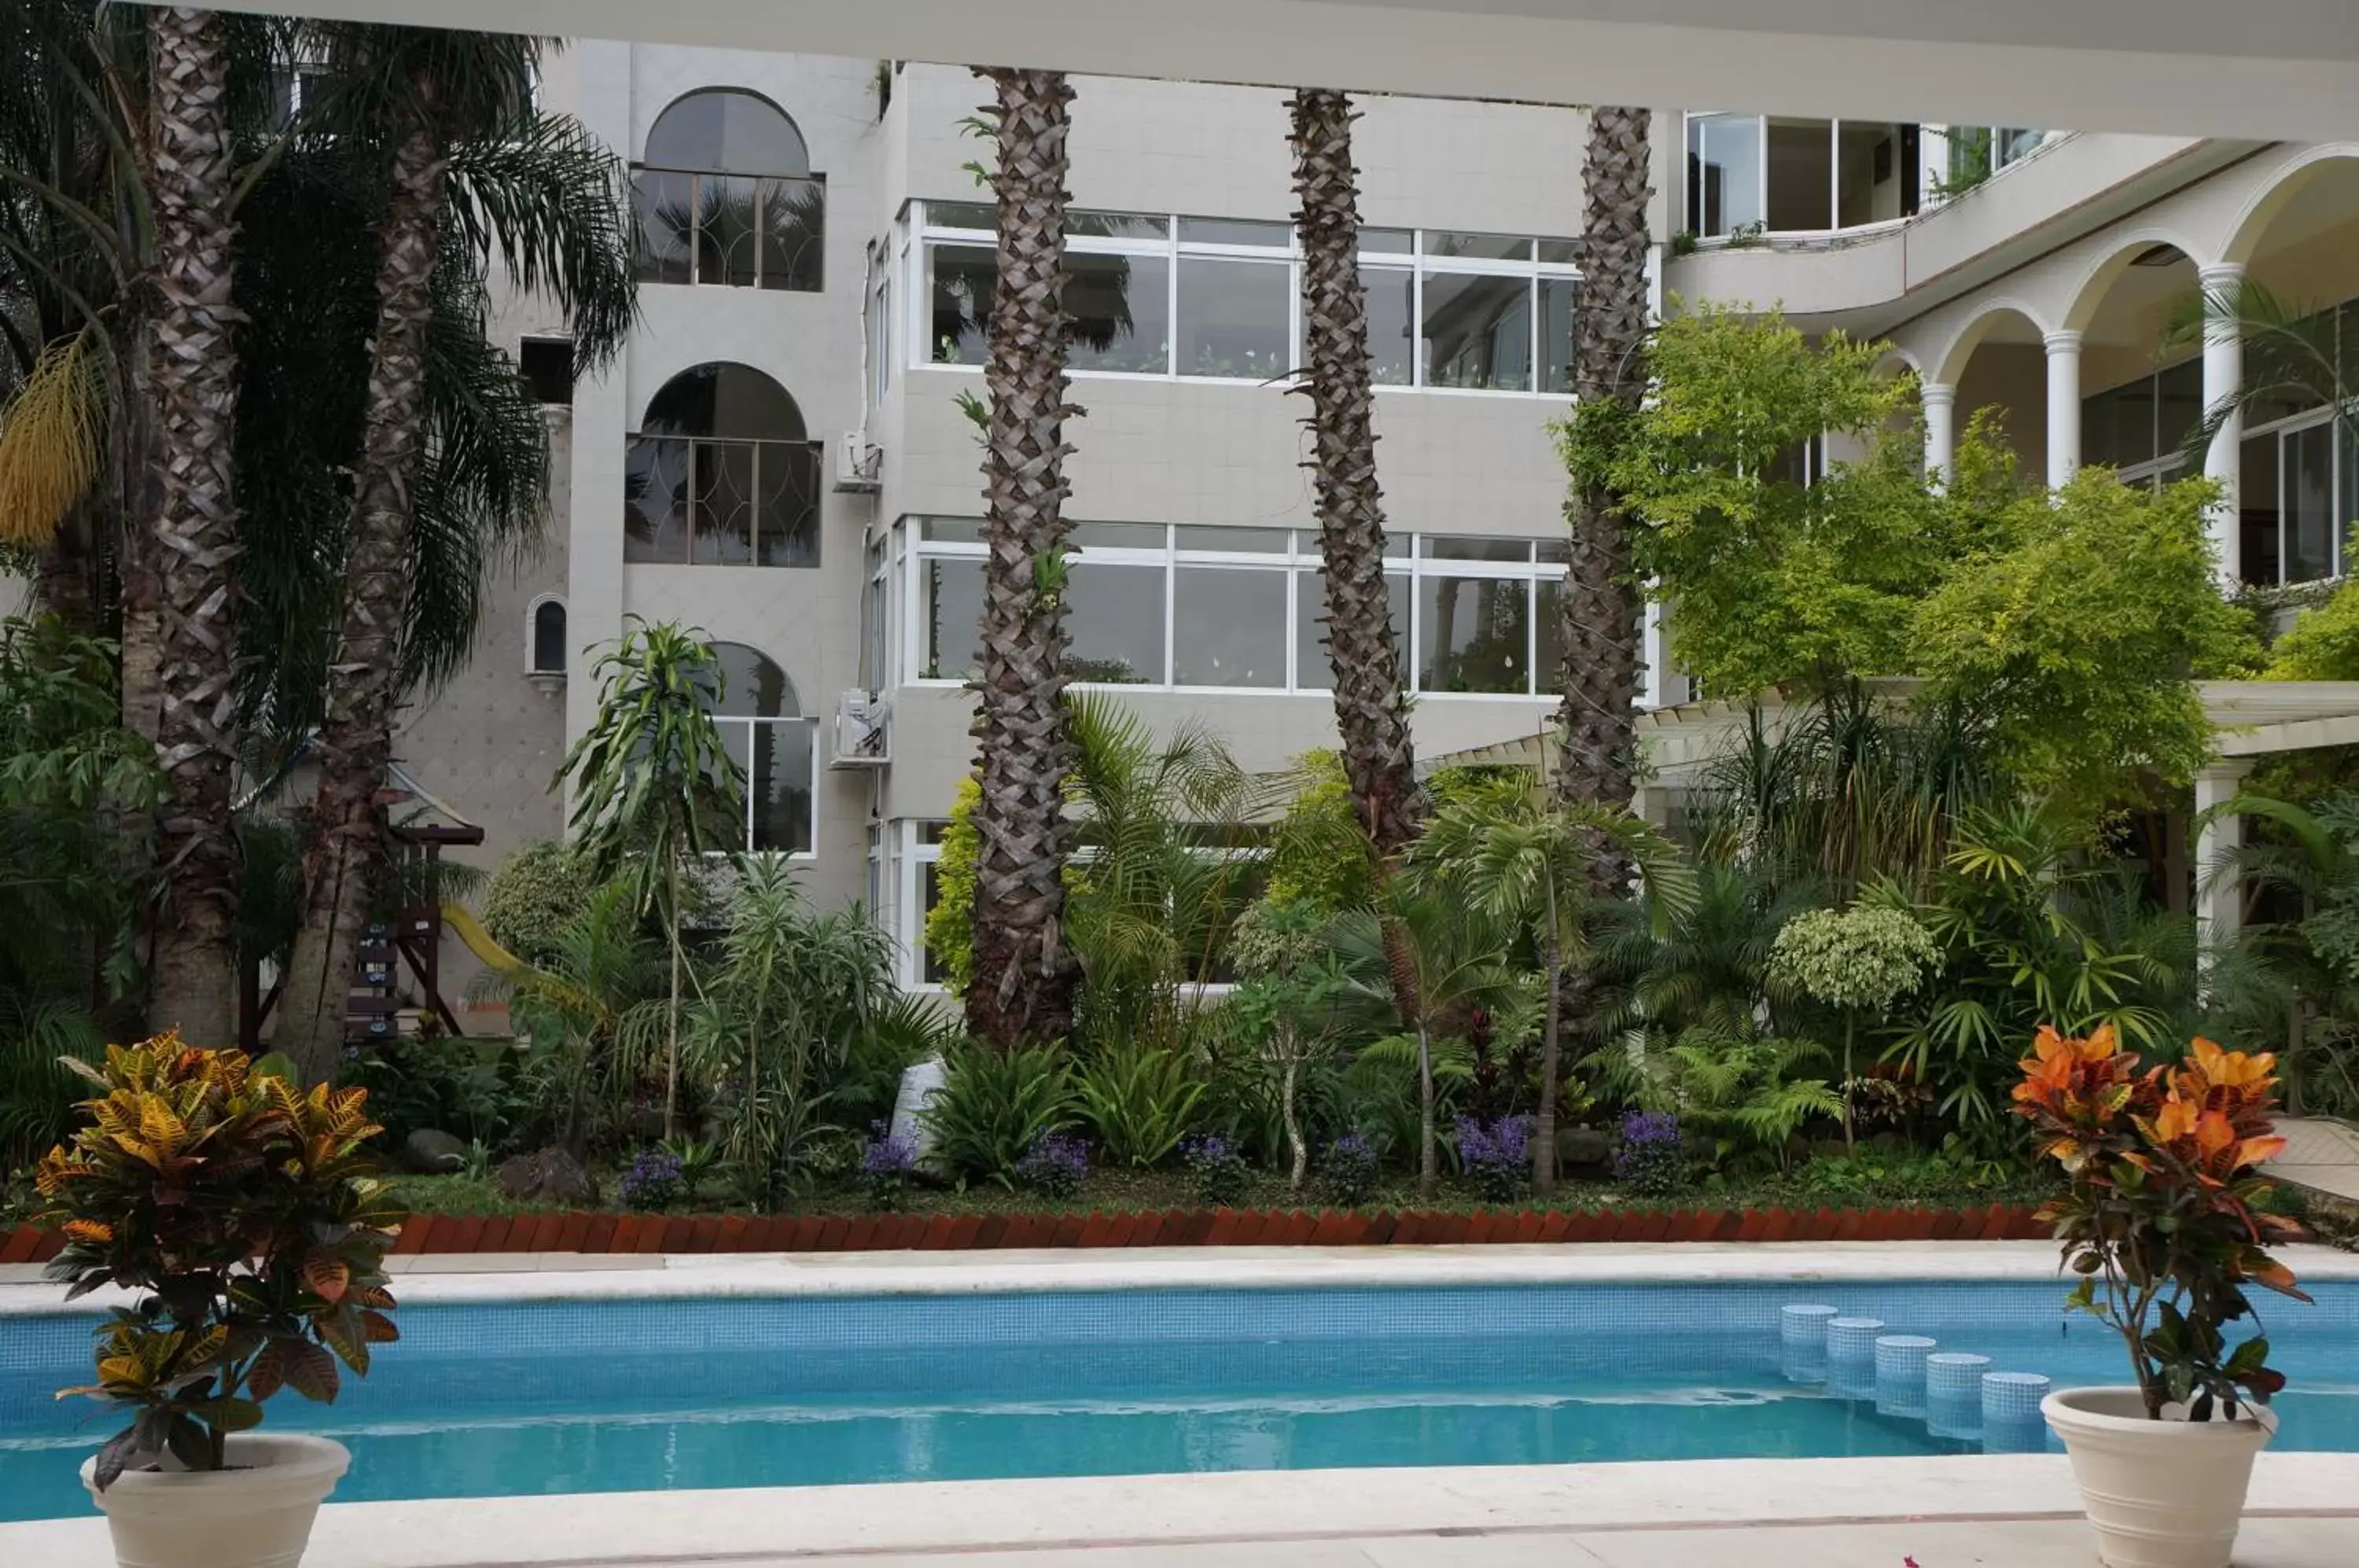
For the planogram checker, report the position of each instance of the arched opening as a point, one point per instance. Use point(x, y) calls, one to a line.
point(545, 638)
point(2298, 471)
point(762, 723)
point(1998, 366)
point(722, 472)
point(2141, 384)
point(727, 196)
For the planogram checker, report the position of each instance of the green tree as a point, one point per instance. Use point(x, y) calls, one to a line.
point(1868, 956)
point(655, 789)
point(473, 176)
point(1528, 865)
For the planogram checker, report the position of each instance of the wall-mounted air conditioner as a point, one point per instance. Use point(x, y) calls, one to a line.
point(864, 731)
point(858, 465)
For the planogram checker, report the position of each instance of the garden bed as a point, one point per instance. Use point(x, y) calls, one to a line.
point(586, 1232)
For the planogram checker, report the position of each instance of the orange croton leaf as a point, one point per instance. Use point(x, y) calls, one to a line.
point(2259, 1150)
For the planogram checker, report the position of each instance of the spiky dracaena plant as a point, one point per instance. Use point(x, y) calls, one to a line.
point(1023, 977)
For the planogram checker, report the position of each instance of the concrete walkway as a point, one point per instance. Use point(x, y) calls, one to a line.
point(2319, 1154)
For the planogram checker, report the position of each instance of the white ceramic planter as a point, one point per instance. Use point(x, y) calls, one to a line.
point(2161, 1494)
point(256, 1515)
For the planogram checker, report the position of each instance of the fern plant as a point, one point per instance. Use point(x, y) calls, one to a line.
point(1141, 1104)
point(1747, 1091)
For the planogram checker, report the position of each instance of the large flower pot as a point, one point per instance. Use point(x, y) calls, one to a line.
point(2161, 1494)
point(255, 1514)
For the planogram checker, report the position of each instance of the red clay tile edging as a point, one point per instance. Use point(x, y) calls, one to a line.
point(607, 1232)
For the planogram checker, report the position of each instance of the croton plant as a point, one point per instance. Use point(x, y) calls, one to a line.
point(2164, 1217)
point(245, 1211)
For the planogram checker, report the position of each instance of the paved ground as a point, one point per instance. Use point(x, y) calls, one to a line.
point(2320, 1154)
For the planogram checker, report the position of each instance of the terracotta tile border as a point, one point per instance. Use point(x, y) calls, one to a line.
point(609, 1232)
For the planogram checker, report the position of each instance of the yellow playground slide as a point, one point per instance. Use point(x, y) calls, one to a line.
point(479, 942)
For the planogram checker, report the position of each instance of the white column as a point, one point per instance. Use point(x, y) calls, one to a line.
point(2063, 407)
point(2219, 891)
point(1940, 402)
point(2223, 377)
point(1655, 644)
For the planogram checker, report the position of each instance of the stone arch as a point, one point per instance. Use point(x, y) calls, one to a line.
point(2093, 282)
point(2252, 222)
point(1951, 362)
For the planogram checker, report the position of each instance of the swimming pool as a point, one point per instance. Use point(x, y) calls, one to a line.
point(626, 1395)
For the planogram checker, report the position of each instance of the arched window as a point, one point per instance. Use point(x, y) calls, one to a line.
point(545, 638)
point(722, 474)
point(761, 721)
point(727, 195)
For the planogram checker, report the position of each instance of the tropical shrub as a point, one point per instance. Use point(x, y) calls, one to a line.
point(469, 1088)
point(1217, 1169)
point(652, 1180)
point(994, 1107)
point(1056, 1166)
point(1139, 1102)
point(1650, 1155)
point(950, 924)
point(245, 1211)
point(2165, 1216)
point(1349, 1169)
point(1497, 1157)
point(1865, 957)
point(532, 896)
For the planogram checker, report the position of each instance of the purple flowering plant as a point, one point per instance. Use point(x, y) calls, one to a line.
point(1496, 1156)
point(1650, 1158)
point(887, 1162)
point(1056, 1166)
point(655, 1179)
point(1348, 1172)
point(1218, 1169)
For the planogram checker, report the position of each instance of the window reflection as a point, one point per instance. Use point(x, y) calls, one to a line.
point(1234, 318)
point(1120, 307)
point(1113, 616)
point(726, 196)
point(1473, 635)
point(759, 715)
point(1392, 324)
point(960, 284)
point(952, 600)
point(1478, 331)
point(1228, 628)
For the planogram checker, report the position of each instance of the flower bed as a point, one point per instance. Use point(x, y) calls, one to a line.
point(612, 1233)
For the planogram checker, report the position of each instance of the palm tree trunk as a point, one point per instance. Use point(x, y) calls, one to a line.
point(1851, 1140)
point(348, 856)
point(1371, 704)
point(185, 544)
point(1024, 977)
point(1552, 1027)
point(1595, 721)
point(1429, 1159)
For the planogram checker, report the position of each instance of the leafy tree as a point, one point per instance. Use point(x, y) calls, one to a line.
point(1868, 956)
point(533, 893)
point(653, 789)
point(1528, 865)
point(547, 203)
point(2322, 643)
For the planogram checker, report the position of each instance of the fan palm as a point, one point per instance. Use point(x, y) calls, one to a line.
point(1528, 865)
point(1024, 977)
point(2292, 357)
point(548, 204)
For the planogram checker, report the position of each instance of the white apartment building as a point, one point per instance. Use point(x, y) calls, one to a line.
point(781, 458)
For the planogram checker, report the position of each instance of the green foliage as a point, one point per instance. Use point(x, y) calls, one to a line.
point(1868, 956)
point(245, 1211)
point(2080, 700)
point(1745, 1091)
point(533, 893)
point(950, 924)
point(2322, 643)
point(469, 1088)
point(1140, 1102)
point(996, 1106)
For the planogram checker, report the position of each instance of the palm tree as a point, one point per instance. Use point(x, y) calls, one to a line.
point(180, 615)
point(548, 202)
point(1371, 709)
point(1523, 863)
point(652, 781)
point(1599, 680)
point(1024, 978)
point(2291, 353)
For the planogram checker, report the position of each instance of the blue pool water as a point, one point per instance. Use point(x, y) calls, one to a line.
point(621, 1396)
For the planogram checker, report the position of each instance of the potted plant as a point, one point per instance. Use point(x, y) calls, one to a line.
point(242, 1210)
point(2163, 1221)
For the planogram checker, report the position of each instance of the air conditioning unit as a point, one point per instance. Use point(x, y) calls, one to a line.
point(858, 466)
point(863, 731)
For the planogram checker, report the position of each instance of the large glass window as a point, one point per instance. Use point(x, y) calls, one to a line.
point(1202, 606)
point(1750, 174)
point(720, 473)
point(763, 728)
point(726, 196)
point(1217, 298)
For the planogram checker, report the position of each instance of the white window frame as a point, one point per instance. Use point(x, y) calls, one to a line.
point(1172, 250)
point(724, 722)
point(532, 639)
point(1933, 164)
point(911, 552)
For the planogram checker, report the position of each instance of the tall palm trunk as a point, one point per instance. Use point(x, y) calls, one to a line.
point(349, 849)
point(1024, 977)
point(1552, 1054)
point(1371, 708)
point(180, 646)
point(1595, 719)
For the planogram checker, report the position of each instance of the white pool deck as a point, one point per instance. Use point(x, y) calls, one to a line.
point(2005, 1512)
